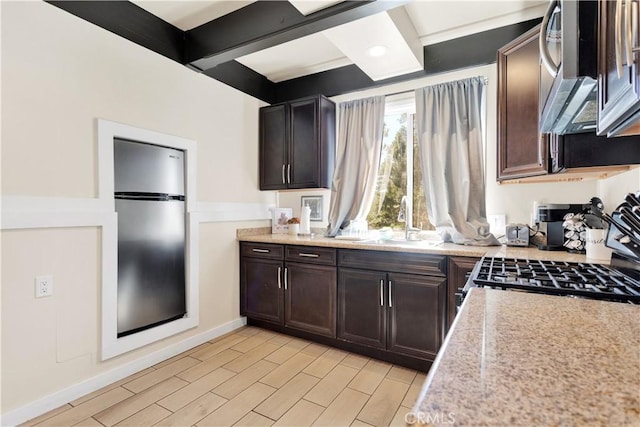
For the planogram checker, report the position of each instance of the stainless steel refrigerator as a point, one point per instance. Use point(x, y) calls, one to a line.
point(149, 199)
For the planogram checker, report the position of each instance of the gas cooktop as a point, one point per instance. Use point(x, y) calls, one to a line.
point(586, 280)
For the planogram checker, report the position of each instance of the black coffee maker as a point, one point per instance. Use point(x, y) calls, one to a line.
point(550, 218)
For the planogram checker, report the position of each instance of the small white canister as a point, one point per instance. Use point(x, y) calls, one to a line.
point(595, 244)
point(294, 229)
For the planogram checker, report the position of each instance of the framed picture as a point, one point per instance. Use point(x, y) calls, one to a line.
point(279, 221)
point(315, 203)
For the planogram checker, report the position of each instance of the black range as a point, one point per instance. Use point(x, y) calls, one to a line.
point(585, 280)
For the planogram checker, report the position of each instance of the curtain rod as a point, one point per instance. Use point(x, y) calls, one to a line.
point(486, 82)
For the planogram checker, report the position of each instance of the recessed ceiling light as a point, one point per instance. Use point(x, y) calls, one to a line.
point(377, 50)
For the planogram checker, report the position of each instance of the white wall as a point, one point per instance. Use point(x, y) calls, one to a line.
point(612, 190)
point(513, 200)
point(59, 74)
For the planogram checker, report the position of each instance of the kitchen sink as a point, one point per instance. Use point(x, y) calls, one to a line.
point(402, 242)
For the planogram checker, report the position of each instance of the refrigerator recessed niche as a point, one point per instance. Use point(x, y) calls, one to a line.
point(149, 192)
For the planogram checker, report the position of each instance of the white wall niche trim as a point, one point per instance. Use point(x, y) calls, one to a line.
point(111, 345)
point(68, 394)
point(25, 212)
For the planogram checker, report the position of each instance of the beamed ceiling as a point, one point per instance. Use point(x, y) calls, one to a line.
point(279, 50)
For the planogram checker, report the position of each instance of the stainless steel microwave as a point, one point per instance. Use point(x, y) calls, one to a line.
point(568, 52)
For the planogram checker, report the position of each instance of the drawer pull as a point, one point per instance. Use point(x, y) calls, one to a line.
point(285, 278)
point(390, 302)
point(381, 293)
point(279, 277)
point(261, 251)
point(302, 254)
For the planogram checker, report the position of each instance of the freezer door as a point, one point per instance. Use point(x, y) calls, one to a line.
point(151, 263)
point(147, 168)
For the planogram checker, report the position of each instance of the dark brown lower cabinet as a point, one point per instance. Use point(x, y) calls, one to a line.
point(398, 312)
point(387, 305)
point(293, 294)
point(459, 267)
point(310, 298)
point(261, 289)
point(416, 314)
point(361, 312)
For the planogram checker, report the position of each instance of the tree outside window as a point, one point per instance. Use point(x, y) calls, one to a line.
point(399, 174)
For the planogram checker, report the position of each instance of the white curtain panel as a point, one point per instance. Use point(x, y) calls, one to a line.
point(360, 132)
point(450, 124)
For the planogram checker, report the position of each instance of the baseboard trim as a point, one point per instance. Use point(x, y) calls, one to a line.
point(66, 395)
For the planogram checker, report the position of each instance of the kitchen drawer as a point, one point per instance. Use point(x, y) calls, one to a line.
point(262, 250)
point(311, 255)
point(400, 262)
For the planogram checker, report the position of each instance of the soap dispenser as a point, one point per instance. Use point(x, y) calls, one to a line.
point(305, 220)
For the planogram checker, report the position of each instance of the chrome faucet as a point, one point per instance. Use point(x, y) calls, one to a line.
point(410, 233)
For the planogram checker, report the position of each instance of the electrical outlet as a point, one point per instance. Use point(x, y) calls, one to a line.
point(44, 286)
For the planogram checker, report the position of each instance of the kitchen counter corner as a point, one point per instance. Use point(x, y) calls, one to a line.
point(515, 358)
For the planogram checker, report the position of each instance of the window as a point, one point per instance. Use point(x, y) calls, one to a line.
point(400, 173)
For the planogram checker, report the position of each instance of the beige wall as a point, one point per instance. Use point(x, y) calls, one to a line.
point(59, 74)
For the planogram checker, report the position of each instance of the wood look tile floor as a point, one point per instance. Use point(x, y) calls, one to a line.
point(251, 377)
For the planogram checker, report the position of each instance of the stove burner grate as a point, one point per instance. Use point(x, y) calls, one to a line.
point(557, 277)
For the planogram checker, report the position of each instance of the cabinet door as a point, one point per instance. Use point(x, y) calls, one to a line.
point(261, 289)
point(459, 267)
point(361, 307)
point(273, 143)
point(304, 150)
point(522, 150)
point(618, 96)
point(416, 314)
point(310, 298)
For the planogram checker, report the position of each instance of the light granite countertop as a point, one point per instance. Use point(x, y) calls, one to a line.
point(263, 235)
point(524, 359)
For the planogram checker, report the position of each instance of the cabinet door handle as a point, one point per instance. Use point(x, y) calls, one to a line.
point(618, 38)
point(381, 293)
point(545, 56)
point(261, 251)
point(540, 149)
point(283, 181)
point(390, 302)
point(289, 173)
point(279, 277)
point(302, 254)
point(628, 32)
point(632, 32)
point(285, 278)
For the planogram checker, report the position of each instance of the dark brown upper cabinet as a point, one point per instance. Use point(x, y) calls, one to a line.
point(522, 149)
point(297, 144)
point(618, 69)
